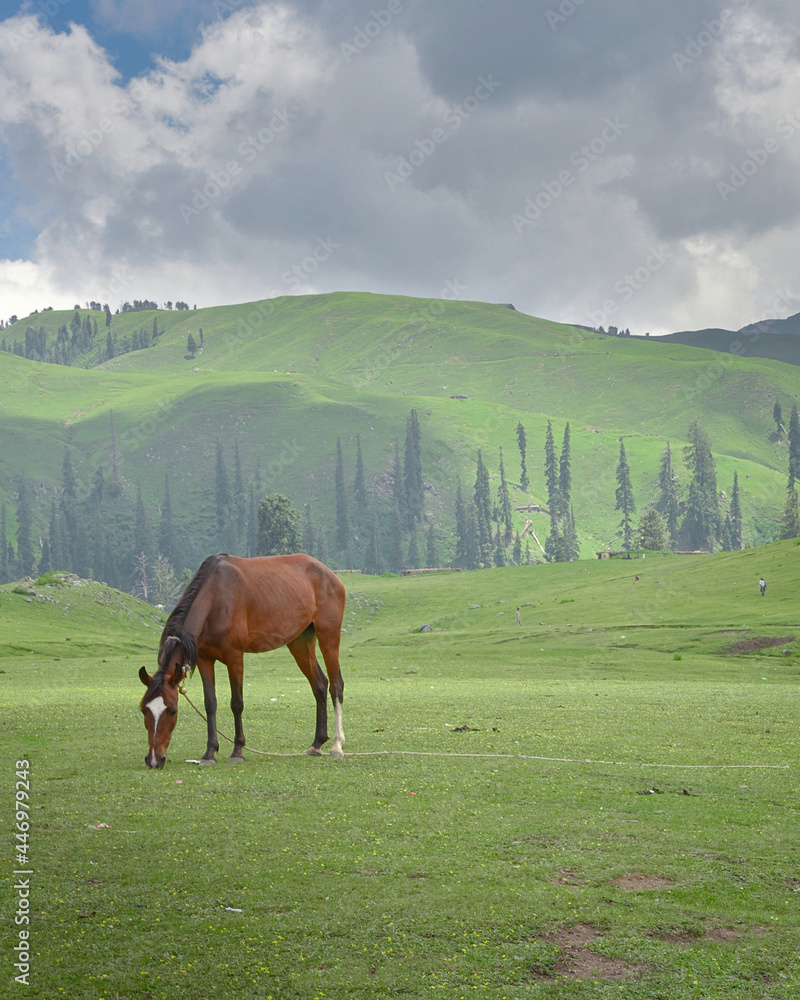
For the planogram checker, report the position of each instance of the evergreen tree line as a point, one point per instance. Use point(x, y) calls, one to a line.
point(693, 521)
point(80, 342)
point(378, 521)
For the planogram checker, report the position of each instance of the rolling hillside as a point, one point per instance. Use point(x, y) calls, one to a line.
point(284, 378)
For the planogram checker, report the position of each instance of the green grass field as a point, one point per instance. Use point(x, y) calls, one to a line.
point(599, 802)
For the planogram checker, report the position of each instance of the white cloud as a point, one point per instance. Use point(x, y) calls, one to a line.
point(214, 178)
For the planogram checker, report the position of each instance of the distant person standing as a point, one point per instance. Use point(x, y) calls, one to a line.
point(519, 617)
point(763, 586)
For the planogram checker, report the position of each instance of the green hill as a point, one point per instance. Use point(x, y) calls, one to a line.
point(285, 378)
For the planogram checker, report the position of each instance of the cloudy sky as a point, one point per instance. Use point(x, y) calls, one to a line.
point(625, 162)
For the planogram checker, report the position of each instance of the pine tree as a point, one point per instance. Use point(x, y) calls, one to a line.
point(565, 473)
point(239, 497)
point(499, 551)
point(791, 515)
point(668, 502)
point(504, 503)
point(342, 517)
point(483, 513)
point(98, 546)
point(572, 548)
point(431, 550)
point(517, 550)
point(396, 555)
point(412, 562)
point(191, 346)
point(702, 521)
point(412, 471)
point(550, 470)
point(727, 535)
point(45, 566)
point(278, 526)
point(54, 540)
point(398, 488)
point(736, 515)
point(524, 482)
point(652, 531)
point(359, 485)
point(116, 484)
point(777, 416)
point(551, 546)
point(461, 529)
point(624, 494)
point(473, 557)
point(25, 557)
point(794, 447)
point(373, 562)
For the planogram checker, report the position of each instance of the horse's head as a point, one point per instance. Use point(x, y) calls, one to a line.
point(160, 703)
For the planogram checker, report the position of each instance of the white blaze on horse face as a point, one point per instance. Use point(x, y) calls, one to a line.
point(157, 707)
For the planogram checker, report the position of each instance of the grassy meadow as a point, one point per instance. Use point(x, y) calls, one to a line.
point(601, 801)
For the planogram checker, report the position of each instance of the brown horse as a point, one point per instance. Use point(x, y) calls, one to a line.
point(235, 606)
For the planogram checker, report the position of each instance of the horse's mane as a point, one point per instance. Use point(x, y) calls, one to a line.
point(181, 609)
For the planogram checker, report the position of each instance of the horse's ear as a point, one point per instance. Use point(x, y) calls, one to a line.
point(177, 674)
point(144, 677)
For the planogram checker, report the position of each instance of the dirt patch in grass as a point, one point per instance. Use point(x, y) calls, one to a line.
point(677, 937)
point(637, 882)
point(566, 877)
point(576, 961)
point(756, 642)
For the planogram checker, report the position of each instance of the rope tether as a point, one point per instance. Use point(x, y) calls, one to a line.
point(512, 756)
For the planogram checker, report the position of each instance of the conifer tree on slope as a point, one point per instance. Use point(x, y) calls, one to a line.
point(624, 494)
point(25, 557)
point(504, 504)
point(483, 513)
point(668, 503)
point(342, 516)
point(524, 482)
point(736, 515)
point(702, 521)
point(412, 471)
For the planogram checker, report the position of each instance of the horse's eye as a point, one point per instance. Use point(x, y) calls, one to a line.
point(173, 711)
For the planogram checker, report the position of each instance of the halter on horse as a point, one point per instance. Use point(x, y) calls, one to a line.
point(233, 606)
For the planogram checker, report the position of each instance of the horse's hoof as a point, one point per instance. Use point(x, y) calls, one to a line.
point(313, 752)
point(236, 758)
point(336, 752)
point(206, 761)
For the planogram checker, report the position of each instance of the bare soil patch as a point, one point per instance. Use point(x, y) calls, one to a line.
point(756, 642)
point(723, 933)
point(684, 938)
point(576, 961)
point(637, 882)
point(566, 877)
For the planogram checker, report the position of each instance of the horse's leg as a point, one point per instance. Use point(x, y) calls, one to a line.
point(302, 649)
point(235, 675)
point(206, 668)
point(328, 636)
